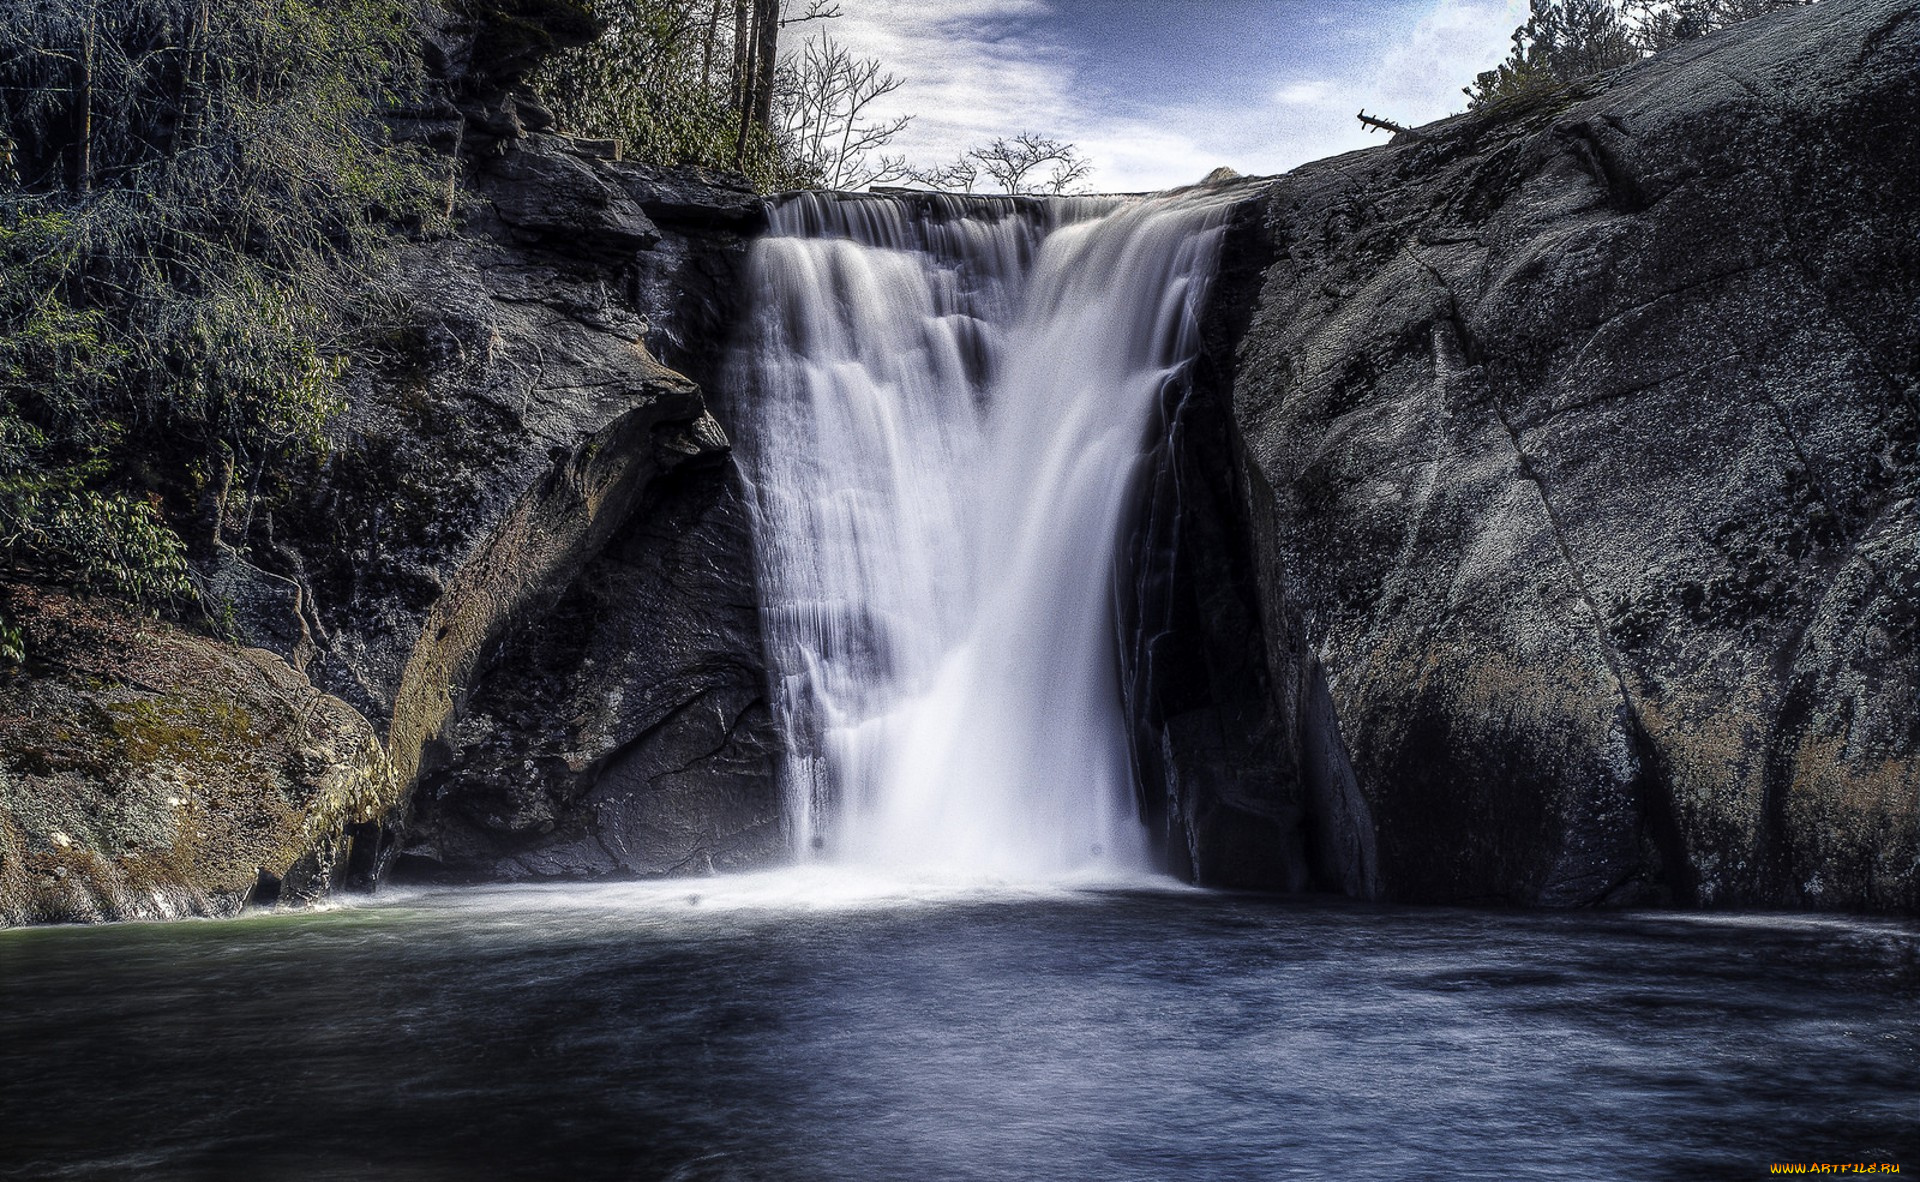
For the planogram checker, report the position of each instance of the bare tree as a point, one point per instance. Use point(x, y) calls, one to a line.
point(766, 59)
point(816, 10)
point(827, 94)
point(757, 82)
point(1026, 163)
point(713, 82)
point(955, 176)
point(742, 54)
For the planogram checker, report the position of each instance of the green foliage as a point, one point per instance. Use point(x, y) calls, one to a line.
point(57, 361)
point(57, 365)
point(198, 195)
point(1660, 24)
point(661, 79)
point(13, 643)
point(227, 621)
point(104, 541)
point(674, 82)
point(1562, 40)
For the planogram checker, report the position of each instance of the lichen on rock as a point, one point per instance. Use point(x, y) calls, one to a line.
point(149, 773)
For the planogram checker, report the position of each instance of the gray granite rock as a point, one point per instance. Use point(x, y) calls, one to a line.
point(1573, 451)
point(550, 194)
point(627, 731)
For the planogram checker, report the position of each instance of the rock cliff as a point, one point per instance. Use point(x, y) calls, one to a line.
point(495, 505)
point(1538, 526)
point(518, 478)
point(1570, 451)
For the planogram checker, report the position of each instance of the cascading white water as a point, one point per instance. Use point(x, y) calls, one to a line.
point(947, 402)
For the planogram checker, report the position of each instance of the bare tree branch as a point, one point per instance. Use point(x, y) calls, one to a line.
point(827, 94)
point(817, 10)
point(1026, 163)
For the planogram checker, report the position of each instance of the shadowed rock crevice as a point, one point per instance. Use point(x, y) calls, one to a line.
point(626, 731)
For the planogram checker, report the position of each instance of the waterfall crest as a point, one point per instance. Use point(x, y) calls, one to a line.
point(946, 402)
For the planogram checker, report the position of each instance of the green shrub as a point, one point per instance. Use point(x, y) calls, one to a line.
point(13, 645)
point(104, 541)
point(197, 197)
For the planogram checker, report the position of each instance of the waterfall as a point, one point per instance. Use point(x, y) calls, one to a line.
point(944, 407)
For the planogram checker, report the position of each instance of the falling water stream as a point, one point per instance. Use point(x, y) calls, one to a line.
point(949, 401)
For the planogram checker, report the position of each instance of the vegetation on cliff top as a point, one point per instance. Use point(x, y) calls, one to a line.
point(1565, 40)
point(708, 83)
point(703, 82)
point(193, 195)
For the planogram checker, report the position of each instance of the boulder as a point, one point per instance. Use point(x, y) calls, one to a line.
point(253, 606)
point(148, 773)
point(551, 194)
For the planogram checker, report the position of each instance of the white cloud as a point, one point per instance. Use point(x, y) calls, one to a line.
point(975, 70)
point(1303, 94)
point(1138, 157)
point(1420, 77)
point(962, 88)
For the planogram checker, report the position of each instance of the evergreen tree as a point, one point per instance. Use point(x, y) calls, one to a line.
point(1565, 40)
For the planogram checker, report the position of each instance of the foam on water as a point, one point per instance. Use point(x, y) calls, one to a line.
point(815, 888)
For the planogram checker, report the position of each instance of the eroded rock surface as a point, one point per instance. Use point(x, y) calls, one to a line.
point(147, 773)
point(1576, 447)
point(626, 732)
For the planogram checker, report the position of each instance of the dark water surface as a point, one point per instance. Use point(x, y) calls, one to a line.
point(636, 1033)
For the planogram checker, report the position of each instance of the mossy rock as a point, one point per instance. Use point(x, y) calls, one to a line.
point(149, 773)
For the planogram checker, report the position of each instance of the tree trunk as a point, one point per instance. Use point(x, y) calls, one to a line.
point(746, 31)
point(742, 53)
point(193, 99)
point(766, 55)
point(706, 45)
point(83, 109)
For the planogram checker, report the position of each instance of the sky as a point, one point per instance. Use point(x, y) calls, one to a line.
point(1160, 92)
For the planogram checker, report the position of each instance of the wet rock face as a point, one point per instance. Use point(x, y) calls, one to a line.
point(1214, 755)
point(1576, 448)
point(534, 403)
point(612, 723)
point(626, 733)
point(518, 401)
